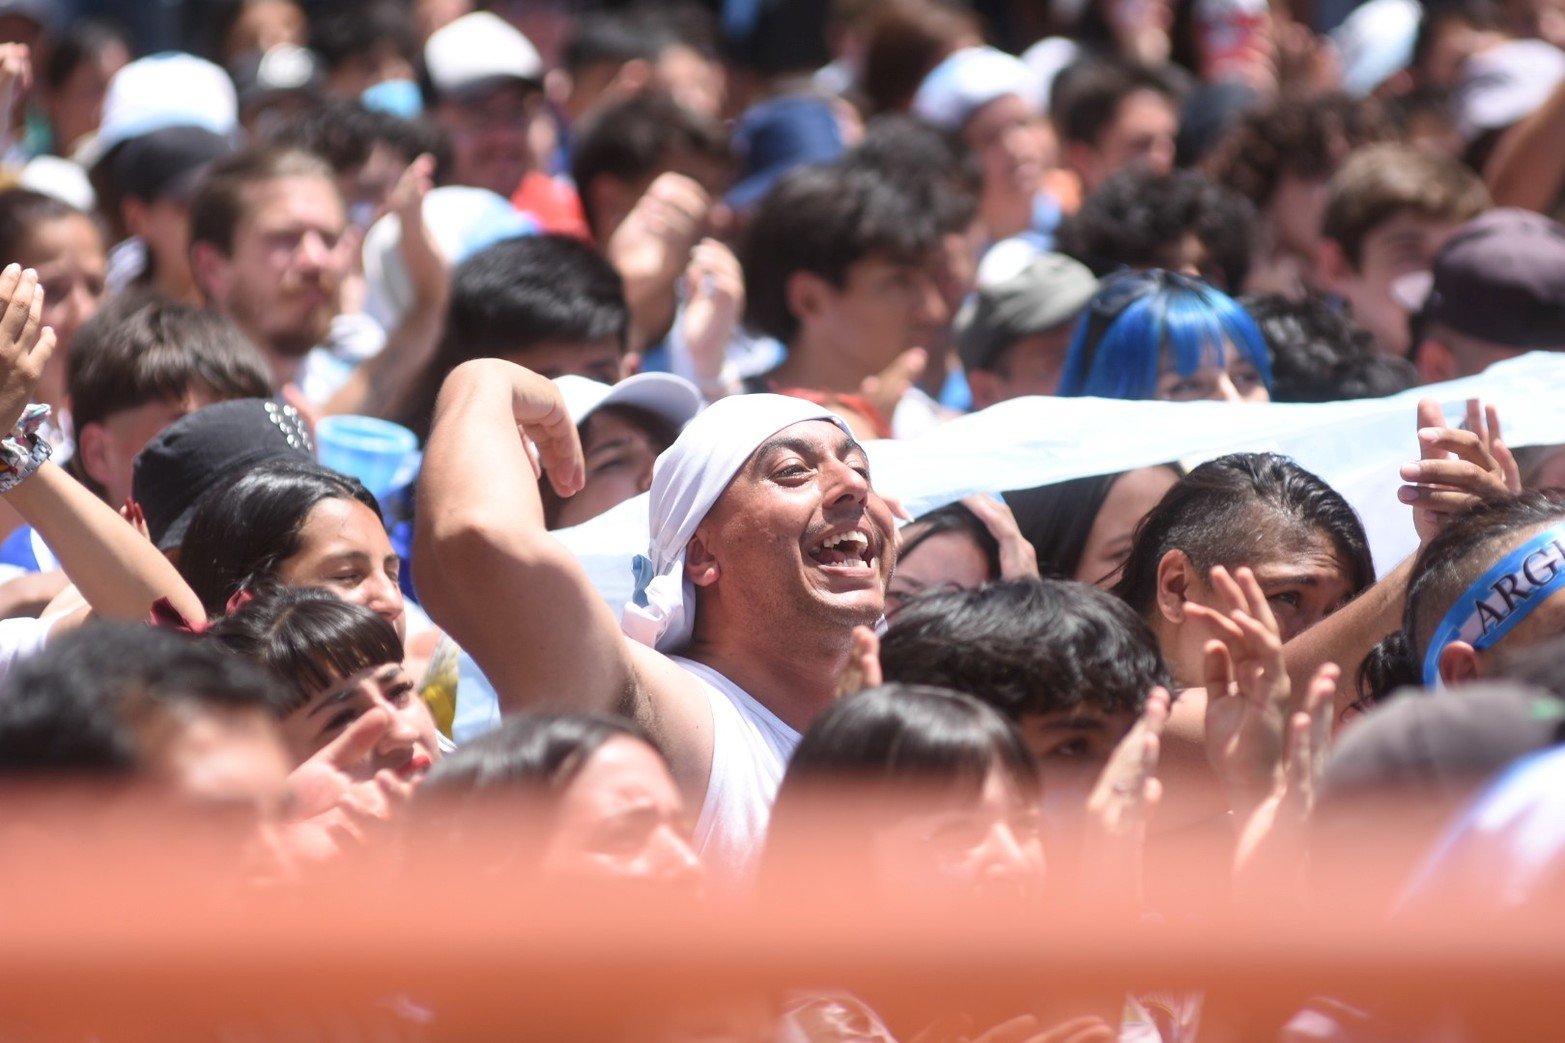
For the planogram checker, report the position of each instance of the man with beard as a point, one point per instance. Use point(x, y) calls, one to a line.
point(269, 250)
point(768, 546)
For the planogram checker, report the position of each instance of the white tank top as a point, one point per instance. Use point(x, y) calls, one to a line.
point(750, 750)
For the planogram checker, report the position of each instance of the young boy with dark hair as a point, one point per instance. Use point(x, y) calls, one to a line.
point(137, 366)
point(548, 302)
point(622, 149)
point(1388, 210)
point(1110, 116)
point(363, 44)
point(841, 265)
point(1071, 664)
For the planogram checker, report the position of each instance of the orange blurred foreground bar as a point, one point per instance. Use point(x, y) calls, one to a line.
point(129, 924)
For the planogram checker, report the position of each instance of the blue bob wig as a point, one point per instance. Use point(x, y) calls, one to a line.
point(1136, 318)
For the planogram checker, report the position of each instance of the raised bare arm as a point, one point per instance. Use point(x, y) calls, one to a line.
point(118, 571)
point(487, 569)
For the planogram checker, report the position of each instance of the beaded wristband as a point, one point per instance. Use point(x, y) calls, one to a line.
point(24, 450)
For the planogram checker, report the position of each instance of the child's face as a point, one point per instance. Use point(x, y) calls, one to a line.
point(619, 453)
point(1402, 244)
point(1072, 746)
point(409, 746)
point(109, 449)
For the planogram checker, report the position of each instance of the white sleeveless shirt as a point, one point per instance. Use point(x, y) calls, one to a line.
point(750, 750)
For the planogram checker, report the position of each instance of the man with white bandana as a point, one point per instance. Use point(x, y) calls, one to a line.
point(768, 546)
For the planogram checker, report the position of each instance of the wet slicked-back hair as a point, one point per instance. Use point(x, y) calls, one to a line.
point(1214, 513)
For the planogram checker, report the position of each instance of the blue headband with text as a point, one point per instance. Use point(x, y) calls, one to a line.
point(1501, 598)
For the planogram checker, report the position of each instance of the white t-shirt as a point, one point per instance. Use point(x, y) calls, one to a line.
point(750, 751)
point(22, 637)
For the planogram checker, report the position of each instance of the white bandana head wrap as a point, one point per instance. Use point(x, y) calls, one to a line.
point(686, 481)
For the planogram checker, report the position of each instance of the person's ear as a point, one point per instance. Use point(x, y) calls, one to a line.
point(1459, 663)
point(92, 445)
point(1082, 159)
point(1434, 361)
point(633, 78)
point(133, 211)
point(609, 200)
point(1397, 84)
point(1175, 575)
point(807, 296)
point(701, 566)
point(629, 364)
point(985, 387)
point(210, 269)
point(1332, 267)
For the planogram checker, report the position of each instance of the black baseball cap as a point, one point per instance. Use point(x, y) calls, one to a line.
point(1499, 278)
point(167, 163)
point(203, 448)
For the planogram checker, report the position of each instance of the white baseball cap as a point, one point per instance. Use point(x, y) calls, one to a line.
point(477, 49)
point(1505, 84)
point(673, 398)
point(463, 220)
point(1375, 42)
point(60, 178)
point(171, 89)
point(967, 81)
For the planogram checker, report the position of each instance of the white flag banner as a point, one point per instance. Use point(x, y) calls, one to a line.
point(1357, 447)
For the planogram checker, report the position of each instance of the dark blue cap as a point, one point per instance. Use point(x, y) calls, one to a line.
point(778, 135)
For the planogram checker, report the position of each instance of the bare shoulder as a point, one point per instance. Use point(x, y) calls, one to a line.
point(670, 704)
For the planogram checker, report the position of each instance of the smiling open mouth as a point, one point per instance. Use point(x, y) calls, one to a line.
point(844, 550)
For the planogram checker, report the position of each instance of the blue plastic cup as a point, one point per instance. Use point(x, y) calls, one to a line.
point(382, 455)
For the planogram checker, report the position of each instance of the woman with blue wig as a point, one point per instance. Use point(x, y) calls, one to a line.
point(1163, 335)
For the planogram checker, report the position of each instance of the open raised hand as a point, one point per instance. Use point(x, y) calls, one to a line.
point(337, 799)
point(25, 342)
point(863, 669)
point(428, 272)
point(16, 76)
point(714, 304)
point(885, 389)
point(1273, 842)
point(1247, 688)
point(1018, 558)
point(1457, 467)
point(1122, 802)
point(652, 246)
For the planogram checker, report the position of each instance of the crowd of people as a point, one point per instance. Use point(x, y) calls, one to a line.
point(315, 337)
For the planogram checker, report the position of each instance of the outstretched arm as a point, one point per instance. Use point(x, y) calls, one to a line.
point(1527, 168)
point(1457, 469)
point(379, 384)
point(117, 570)
point(487, 570)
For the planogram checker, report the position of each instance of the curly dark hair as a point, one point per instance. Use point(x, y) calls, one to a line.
point(1321, 355)
point(1137, 219)
point(1305, 136)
